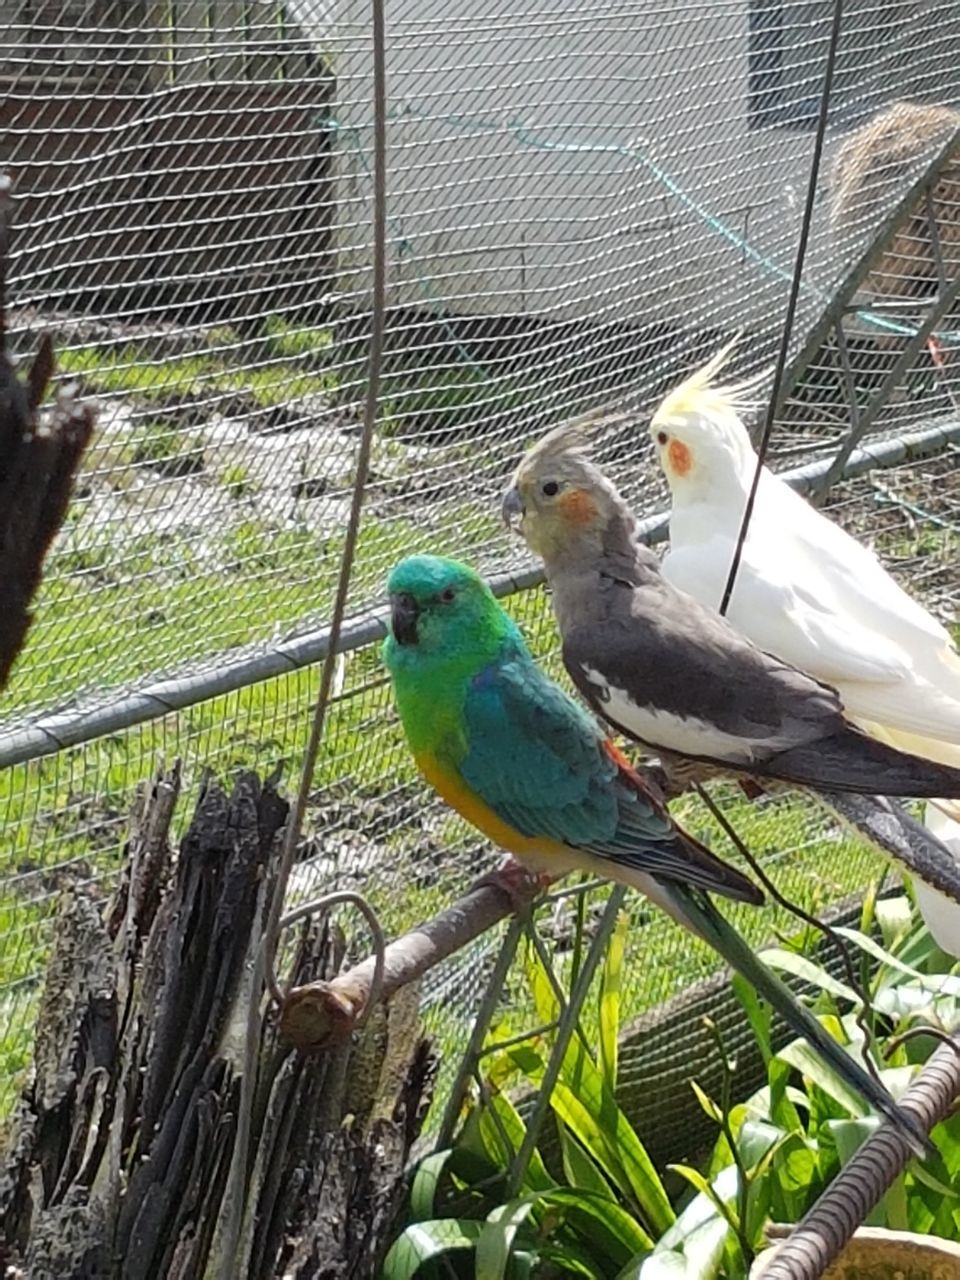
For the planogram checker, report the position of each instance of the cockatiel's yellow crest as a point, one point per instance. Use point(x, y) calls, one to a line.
point(697, 428)
point(806, 591)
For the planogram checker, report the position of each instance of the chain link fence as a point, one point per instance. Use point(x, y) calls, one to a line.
point(581, 205)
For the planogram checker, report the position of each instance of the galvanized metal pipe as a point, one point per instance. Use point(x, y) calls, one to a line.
point(822, 1233)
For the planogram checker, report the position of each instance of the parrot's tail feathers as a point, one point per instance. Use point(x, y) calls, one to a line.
point(702, 918)
point(924, 850)
point(684, 860)
point(850, 761)
point(924, 722)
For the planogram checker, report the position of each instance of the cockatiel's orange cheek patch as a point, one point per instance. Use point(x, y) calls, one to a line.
point(680, 459)
point(577, 507)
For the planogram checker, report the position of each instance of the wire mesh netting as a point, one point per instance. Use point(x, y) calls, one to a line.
point(581, 206)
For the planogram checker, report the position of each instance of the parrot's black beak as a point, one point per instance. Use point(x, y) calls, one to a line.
point(511, 508)
point(403, 618)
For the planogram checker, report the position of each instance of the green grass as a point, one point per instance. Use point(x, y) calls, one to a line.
point(166, 449)
point(125, 370)
point(177, 599)
point(297, 341)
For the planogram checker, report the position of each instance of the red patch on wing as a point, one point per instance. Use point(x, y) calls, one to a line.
point(629, 774)
point(578, 507)
point(680, 458)
point(617, 756)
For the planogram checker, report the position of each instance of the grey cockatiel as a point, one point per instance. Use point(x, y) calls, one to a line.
point(682, 681)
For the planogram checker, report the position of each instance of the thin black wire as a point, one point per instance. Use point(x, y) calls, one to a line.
point(792, 300)
point(235, 1194)
point(912, 1033)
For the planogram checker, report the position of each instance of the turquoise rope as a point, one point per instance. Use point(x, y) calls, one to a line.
point(527, 138)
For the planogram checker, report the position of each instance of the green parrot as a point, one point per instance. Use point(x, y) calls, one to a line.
point(517, 757)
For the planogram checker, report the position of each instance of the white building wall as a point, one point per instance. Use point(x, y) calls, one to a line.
point(588, 160)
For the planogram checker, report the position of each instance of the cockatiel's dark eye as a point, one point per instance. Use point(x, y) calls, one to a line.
point(447, 595)
point(662, 437)
point(550, 488)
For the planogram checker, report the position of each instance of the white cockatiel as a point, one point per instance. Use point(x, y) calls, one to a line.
point(808, 593)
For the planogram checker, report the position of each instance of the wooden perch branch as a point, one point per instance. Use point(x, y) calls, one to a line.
point(821, 1235)
point(319, 1014)
point(38, 460)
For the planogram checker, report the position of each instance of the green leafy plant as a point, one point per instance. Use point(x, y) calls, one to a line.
point(779, 1149)
point(600, 1208)
point(610, 1206)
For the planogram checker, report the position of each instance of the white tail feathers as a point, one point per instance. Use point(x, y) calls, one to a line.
point(941, 914)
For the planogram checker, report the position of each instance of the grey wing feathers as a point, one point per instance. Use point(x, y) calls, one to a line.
point(683, 860)
point(851, 761)
point(664, 650)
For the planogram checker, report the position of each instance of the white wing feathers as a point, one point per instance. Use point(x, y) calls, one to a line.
point(809, 593)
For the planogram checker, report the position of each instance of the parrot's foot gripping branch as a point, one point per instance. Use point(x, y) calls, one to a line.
point(521, 886)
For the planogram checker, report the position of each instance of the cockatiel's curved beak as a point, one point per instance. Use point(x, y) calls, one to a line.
point(511, 507)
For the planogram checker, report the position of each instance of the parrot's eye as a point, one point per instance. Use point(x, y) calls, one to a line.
point(447, 595)
point(662, 437)
point(550, 488)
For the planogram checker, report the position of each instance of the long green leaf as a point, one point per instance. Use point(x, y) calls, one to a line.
point(500, 1122)
point(581, 1101)
point(759, 1014)
point(707, 1104)
point(783, 1112)
point(616, 1148)
point(936, 1186)
point(808, 971)
point(701, 1209)
point(541, 988)
point(610, 988)
point(423, 1189)
point(615, 1232)
point(424, 1241)
point(580, 1169)
point(571, 1261)
point(705, 1188)
point(495, 1243)
point(598, 1220)
point(799, 1055)
point(938, 983)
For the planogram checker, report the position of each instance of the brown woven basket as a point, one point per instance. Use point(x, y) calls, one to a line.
point(877, 1254)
